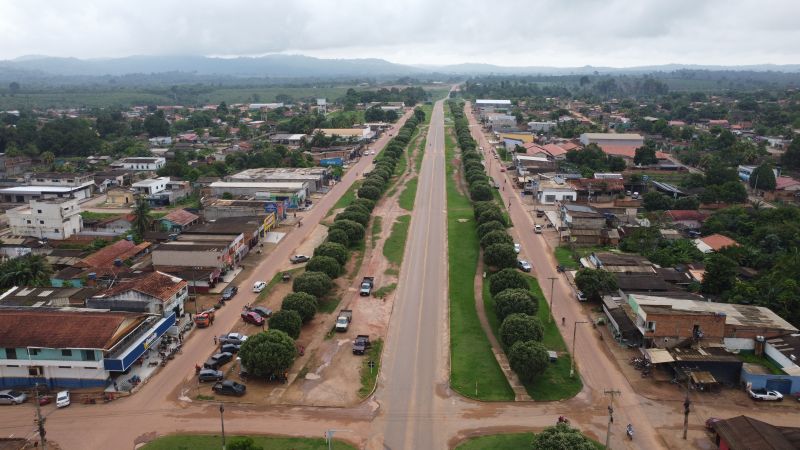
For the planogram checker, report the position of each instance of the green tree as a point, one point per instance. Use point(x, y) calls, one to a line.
point(244, 443)
point(317, 284)
point(48, 158)
point(334, 250)
point(369, 192)
point(595, 282)
point(488, 227)
point(355, 216)
point(305, 304)
point(764, 176)
point(480, 191)
point(287, 321)
point(561, 437)
point(791, 158)
point(156, 125)
point(270, 352)
point(496, 237)
point(325, 264)
point(31, 270)
point(528, 359)
point(507, 279)
point(720, 276)
point(141, 217)
point(338, 236)
point(656, 201)
point(500, 255)
point(355, 231)
point(520, 328)
point(515, 301)
point(645, 155)
point(491, 215)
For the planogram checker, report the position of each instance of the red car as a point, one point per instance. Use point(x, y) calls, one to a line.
point(252, 317)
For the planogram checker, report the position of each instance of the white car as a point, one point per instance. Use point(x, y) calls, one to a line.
point(517, 248)
point(62, 399)
point(537, 229)
point(524, 266)
point(765, 395)
point(259, 286)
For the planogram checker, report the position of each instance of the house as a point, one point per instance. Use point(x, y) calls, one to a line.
point(177, 220)
point(143, 163)
point(714, 243)
point(16, 246)
point(317, 177)
point(118, 196)
point(746, 433)
point(69, 348)
point(786, 189)
point(686, 218)
point(160, 141)
point(613, 139)
point(151, 186)
point(582, 217)
point(746, 171)
point(526, 138)
point(13, 166)
point(597, 190)
point(357, 134)
point(35, 297)
point(275, 211)
point(198, 279)
point(497, 121)
point(294, 192)
point(24, 194)
point(59, 179)
point(555, 151)
point(538, 127)
point(292, 140)
point(150, 293)
point(112, 226)
point(552, 191)
point(619, 263)
point(485, 106)
point(532, 164)
point(50, 219)
point(208, 254)
point(113, 255)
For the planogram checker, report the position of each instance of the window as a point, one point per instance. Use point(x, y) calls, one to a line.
point(34, 351)
point(88, 355)
point(41, 222)
point(651, 326)
point(65, 367)
point(29, 222)
point(11, 353)
point(66, 352)
point(35, 371)
point(39, 211)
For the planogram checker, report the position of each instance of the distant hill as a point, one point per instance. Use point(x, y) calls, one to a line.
point(490, 69)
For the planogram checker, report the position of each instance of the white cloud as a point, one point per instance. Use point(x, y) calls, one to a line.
point(511, 32)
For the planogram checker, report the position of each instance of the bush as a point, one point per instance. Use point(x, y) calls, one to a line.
point(490, 215)
point(315, 283)
point(528, 359)
point(369, 192)
point(480, 191)
point(338, 236)
point(501, 255)
point(355, 231)
point(359, 217)
point(496, 237)
point(507, 279)
point(325, 264)
point(368, 204)
point(595, 282)
point(520, 328)
point(357, 208)
point(267, 353)
point(334, 250)
point(304, 304)
point(561, 437)
point(481, 207)
point(515, 301)
point(488, 227)
point(287, 321)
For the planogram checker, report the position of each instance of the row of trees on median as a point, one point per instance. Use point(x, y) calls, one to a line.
point(275, 351)
point(521, 332)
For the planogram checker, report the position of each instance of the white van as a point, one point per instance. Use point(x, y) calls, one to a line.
point(259, 286)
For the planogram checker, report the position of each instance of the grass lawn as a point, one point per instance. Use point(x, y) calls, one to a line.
point(357, 252)
point(564, 257)
point(214, 442)
point(472, 360)
point(555, 383)
point(420, 153)
point(406, 199)
point(377, 223)
point(275, 280)
point(395, 244)
point(348, 196)
point(498, 441)
point(750, 357)
point(89, 215)
point(370, 375)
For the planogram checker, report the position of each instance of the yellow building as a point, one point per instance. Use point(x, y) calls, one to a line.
point(119, 197)
point(526, 138)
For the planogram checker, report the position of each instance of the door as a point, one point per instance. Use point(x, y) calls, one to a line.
point(783, 386)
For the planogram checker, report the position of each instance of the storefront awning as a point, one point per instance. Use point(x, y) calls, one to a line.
point(658, 355)
point(123, 360)
point(703, 377)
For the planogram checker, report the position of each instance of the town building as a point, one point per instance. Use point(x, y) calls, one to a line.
point(539, 127)
point(613, 139)
point(151, 186)
point(293, 192)
point(150, 293)
point(316, 177)
point(555, 191)
point(714, 243)
point(24, 194)
point(532, 164)
point(356, 134)
point(143, 163)
point(51, 219)
point(36, 297)
point(497, 121)
point(217, 208)
point(178, 220)
point(59, 179)
point(118, 196)
point(747, 433)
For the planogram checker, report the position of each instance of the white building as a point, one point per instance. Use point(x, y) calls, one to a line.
point(143, 163)
point(151, 186)
point(541, 126)
point(613, 139)
point(60, 179)
point(550, 192)
point(496, 121)
point(51, 219)
point(492, 103)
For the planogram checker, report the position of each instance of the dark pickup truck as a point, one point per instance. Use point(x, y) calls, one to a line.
point(361, 344)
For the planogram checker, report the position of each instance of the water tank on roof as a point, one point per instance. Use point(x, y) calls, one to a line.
point(92, 276)
point(129, 237)
point(118, 262)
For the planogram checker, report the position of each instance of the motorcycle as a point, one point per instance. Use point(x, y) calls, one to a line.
point(629, 432)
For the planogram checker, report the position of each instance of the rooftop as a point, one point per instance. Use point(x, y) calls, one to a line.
point(45, 328)
point(267, 185)
point(181, 217)
point(481, 101)
point(686, 214)
point(746, 433)
point(614, 136)
point(36, 297)
point(150, 182)
point(717, 242)
point(228, 225)
point(43, 189)
point(155, 284)
point(105, 257)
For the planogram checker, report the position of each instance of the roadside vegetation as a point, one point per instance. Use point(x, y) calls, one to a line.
point(474, 371)
point(561, 436)
point(409, 194)
point(369, 375)
point(395, 244)
point(213, 442)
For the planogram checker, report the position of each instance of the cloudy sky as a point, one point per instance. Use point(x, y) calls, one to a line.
point(506, 32)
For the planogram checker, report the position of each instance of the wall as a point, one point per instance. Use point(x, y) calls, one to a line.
point(739, 343)
point(779, 358)
point(164, 257)
point(759, 381)
point(60, 371)
point(680, 326)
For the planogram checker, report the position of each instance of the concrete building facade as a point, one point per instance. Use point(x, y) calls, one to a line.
point(51, 219)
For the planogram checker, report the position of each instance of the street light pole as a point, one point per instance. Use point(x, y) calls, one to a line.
point(574, 333)
point(552, 282)
point(329, 437)
point(222, 422)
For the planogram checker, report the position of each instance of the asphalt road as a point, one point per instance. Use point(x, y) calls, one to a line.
point(414, 355)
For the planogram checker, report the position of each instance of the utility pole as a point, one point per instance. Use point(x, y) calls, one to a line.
point(552, 282)
point(613, 393)
point(39, 419)
point(222, 421)
point(686, 404)
point(574, 332)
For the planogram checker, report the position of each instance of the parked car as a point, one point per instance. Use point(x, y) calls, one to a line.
point(259, 286)
point(62, 399)
point(9, 397)
point(252, 317)
point(229, 292)
point(580, 296)
point(765, 395)
point(537, 229)
point(524, 266)
point(230, 348)
point(517, 248)
point(539, 213)
point(297, 259)
point(232, 338)
point(218, 360)
point(210, 375)
point(229, 387)
point(262, 311)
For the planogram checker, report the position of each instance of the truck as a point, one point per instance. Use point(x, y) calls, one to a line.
point(343, 320)
point(204, 319)
point(366, 286)
point(361, 344)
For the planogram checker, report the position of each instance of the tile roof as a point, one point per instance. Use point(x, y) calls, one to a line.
point(607, 184)
point(64, 329)
point(555, 150)
point(155, 284)
point(181, 217)
point(686, 214)
point(104, 258)
point(785, 182)
point(717, 242)
point(744, 432)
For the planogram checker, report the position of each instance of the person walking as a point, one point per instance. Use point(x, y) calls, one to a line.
point(215, 340)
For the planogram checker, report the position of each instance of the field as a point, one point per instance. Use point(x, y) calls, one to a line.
point(214, 442)
point(395, 244)
point(498, 441)
point(474, 370)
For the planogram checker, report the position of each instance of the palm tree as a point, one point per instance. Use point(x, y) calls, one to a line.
point(48, 158)
point(25, 271)
point(141, 219)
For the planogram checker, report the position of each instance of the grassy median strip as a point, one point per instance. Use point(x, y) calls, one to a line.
point(395, 244)
point(406, 200)
point(498, 441)
point(369, 375)
point(275, 280)
point(474, 371)
point(348, 196)
point(213, 442)
point(420, 153)
point(377, 222)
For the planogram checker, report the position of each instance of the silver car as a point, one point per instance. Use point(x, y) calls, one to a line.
point(9, 397)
